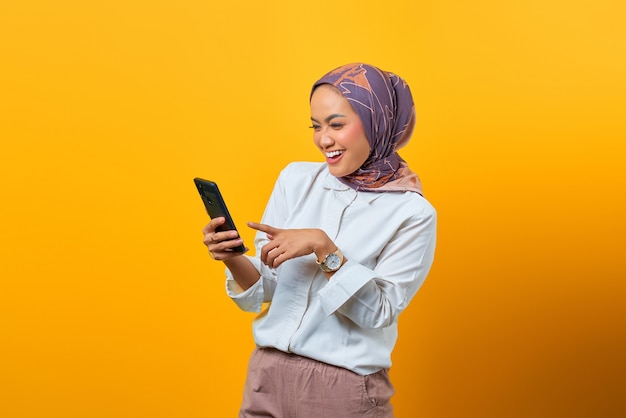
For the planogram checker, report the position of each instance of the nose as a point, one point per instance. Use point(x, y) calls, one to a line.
point(325, 139)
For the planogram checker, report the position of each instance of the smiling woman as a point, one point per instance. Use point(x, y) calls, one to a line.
point(342, 248)
point(340, 133)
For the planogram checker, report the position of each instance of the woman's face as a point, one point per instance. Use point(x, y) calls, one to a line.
point(339, 132)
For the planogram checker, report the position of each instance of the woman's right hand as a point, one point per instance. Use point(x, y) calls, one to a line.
point(221, 243)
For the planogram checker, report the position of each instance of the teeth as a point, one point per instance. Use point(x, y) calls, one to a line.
point(333, 153)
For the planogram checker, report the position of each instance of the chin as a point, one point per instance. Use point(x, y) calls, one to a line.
point(337, 172)
point(342, 171)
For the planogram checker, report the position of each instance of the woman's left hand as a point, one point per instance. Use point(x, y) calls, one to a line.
point(286, 244)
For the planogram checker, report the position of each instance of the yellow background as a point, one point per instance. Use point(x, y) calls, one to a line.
point(109, 305)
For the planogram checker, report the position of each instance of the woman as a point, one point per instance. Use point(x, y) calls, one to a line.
point(342, 248)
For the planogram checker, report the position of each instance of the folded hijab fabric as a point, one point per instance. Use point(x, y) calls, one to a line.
point(385, 106)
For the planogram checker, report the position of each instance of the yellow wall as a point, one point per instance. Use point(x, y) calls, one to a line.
point(109, 306)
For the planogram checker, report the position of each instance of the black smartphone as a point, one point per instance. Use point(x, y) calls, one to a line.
point(216, 207)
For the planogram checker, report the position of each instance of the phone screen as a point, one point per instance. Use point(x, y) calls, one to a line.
point(216, 206)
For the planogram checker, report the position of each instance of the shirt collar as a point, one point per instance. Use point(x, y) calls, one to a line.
point(332, 183)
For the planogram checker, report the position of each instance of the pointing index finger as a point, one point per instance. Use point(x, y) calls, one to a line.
point(262, 227)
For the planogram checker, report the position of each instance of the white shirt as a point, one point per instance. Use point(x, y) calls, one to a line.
point(350, 320)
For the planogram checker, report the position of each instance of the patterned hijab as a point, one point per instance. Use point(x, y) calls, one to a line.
point(385, 106)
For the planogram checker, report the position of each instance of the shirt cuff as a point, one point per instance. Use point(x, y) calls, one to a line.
point(250, 299)
point(348, 280)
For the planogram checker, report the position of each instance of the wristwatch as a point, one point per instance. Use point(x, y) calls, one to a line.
point(331, 262)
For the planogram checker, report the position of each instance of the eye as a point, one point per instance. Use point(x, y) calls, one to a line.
point(336, 125)
point(315, 127)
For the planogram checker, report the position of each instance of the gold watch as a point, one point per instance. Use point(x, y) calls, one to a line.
point(331, 262)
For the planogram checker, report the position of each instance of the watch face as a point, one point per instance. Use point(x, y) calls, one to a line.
point(333, 262)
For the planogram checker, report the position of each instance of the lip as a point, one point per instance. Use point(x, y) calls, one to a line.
point(334, 160)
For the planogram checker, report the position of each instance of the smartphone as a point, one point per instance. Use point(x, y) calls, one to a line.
point(216, 206)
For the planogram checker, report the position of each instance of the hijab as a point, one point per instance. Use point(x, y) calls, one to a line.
point(385, 106)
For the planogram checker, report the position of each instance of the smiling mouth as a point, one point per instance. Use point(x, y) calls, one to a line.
point(333, 154)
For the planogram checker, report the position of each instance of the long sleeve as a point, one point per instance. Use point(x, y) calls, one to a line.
point(253, 298)
point(373, 298)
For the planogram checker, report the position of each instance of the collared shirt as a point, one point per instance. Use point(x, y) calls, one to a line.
point(350, 320)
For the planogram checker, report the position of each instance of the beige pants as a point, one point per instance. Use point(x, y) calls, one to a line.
point(283, 385)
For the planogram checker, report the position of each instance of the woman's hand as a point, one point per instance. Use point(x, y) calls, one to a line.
point(220, 244)
point(286, 244)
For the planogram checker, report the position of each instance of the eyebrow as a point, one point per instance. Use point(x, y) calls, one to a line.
point(334, 115)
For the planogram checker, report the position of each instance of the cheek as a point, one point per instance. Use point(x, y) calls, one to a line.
point(316, 139)
point(356, 140)
point(353, 136)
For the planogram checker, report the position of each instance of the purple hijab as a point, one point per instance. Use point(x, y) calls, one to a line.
point(385, 106)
